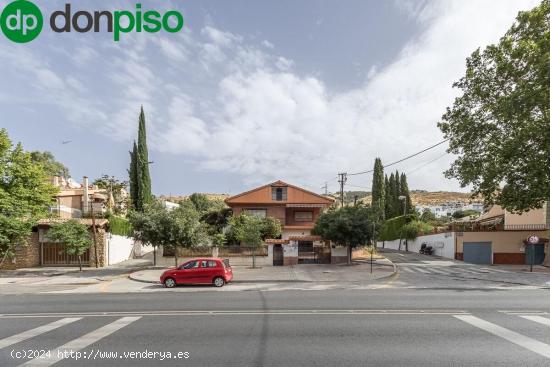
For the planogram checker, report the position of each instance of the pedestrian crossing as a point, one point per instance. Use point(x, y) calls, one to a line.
point(500, 329)
point(461, 270)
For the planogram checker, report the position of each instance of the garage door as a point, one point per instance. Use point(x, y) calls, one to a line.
point(478, 252)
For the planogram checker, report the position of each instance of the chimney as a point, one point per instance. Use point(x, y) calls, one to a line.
point(85, 195)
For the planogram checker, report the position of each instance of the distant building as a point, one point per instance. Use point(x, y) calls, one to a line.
point(76, 200)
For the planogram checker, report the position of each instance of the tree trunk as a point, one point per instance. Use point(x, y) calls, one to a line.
point(154, 255)
point(175, 257)
point(400, 244)
point(254, 258)
point(349, 255)
point(80, 262)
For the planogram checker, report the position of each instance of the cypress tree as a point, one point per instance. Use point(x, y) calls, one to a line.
point(392, 196)
point(144, 177)
point(404, 186)
point(140, 179)
point(397, 204)
point(132, 172)
point(387, 198)
point(378, 189)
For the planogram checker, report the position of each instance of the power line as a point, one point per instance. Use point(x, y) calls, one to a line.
point(400, 160)
point(425, 164)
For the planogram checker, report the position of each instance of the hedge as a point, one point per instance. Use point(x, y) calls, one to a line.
point(391, 229)
point(120, 226)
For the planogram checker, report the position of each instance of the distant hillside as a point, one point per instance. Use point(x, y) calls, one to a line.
point(421, 197)
point(418, 197)
point(210, 196)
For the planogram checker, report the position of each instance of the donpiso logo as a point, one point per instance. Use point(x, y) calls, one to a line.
point(21, 21)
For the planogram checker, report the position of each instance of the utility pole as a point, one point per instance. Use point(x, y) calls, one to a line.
point(325, 187)
point(91, 207)
point(342, 178)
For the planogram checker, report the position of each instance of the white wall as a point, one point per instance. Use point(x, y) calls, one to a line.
point(443, 244)
point(119, 248)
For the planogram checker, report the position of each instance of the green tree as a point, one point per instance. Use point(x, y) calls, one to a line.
point(201, 202)
point(349, 226)
point(465, 213)
point(175, 228)
point(378, 188)
point(117, 189)
point(404, 191)
point(427, 216)
point(140, 178)
point(499, 126)
point(248, 230)
point(25, 195)
point(134, 179)
point(144, 177)
point(51, 166)
point(74, 235)
point(388, 202)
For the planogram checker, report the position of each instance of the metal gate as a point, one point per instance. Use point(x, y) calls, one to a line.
point(277, 255)
point(478, 252)
point(305, 252)
point(55, 254)
point(538, 255)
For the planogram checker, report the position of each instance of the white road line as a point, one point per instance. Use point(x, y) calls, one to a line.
point(407, 270)
point(14, 339)
point(539, 319)
point(82, 342)
point(516, 338)
point(496, 270)
point(439, 271)
point(422, 270)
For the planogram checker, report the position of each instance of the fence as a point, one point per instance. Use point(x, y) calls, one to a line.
point(225, 251)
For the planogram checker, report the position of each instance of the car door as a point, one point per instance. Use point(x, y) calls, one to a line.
point(187, 273)
point(205, 272)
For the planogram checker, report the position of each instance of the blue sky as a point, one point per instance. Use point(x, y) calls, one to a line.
point(251, 91)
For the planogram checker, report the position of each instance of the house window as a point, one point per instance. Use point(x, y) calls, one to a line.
point(303, 216)
point(258, 213)
point(278, 194)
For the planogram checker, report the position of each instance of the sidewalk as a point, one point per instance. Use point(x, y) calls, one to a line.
point(359, 271)
point(71, 275)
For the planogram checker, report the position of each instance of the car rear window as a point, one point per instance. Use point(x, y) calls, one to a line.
point(226, 263)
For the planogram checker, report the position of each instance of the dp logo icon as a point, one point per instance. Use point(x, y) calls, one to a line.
point(21, 21)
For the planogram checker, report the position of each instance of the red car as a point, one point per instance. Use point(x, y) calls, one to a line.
point(199, 271)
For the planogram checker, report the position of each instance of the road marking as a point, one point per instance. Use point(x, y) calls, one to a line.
point(14, 339)
point(439, 271)
point(245, 312)
point(422, 270)
point(82, 342)
point(539, 319)
point(516, 338)
point(496, 270)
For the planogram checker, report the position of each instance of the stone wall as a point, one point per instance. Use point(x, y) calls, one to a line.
point(101, 248)
point(26, 256)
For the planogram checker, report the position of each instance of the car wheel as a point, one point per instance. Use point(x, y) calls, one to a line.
point(219, 282)
point(169, 283)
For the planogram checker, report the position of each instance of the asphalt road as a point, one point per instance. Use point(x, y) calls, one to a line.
point(433, 314)
point(384, 327)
